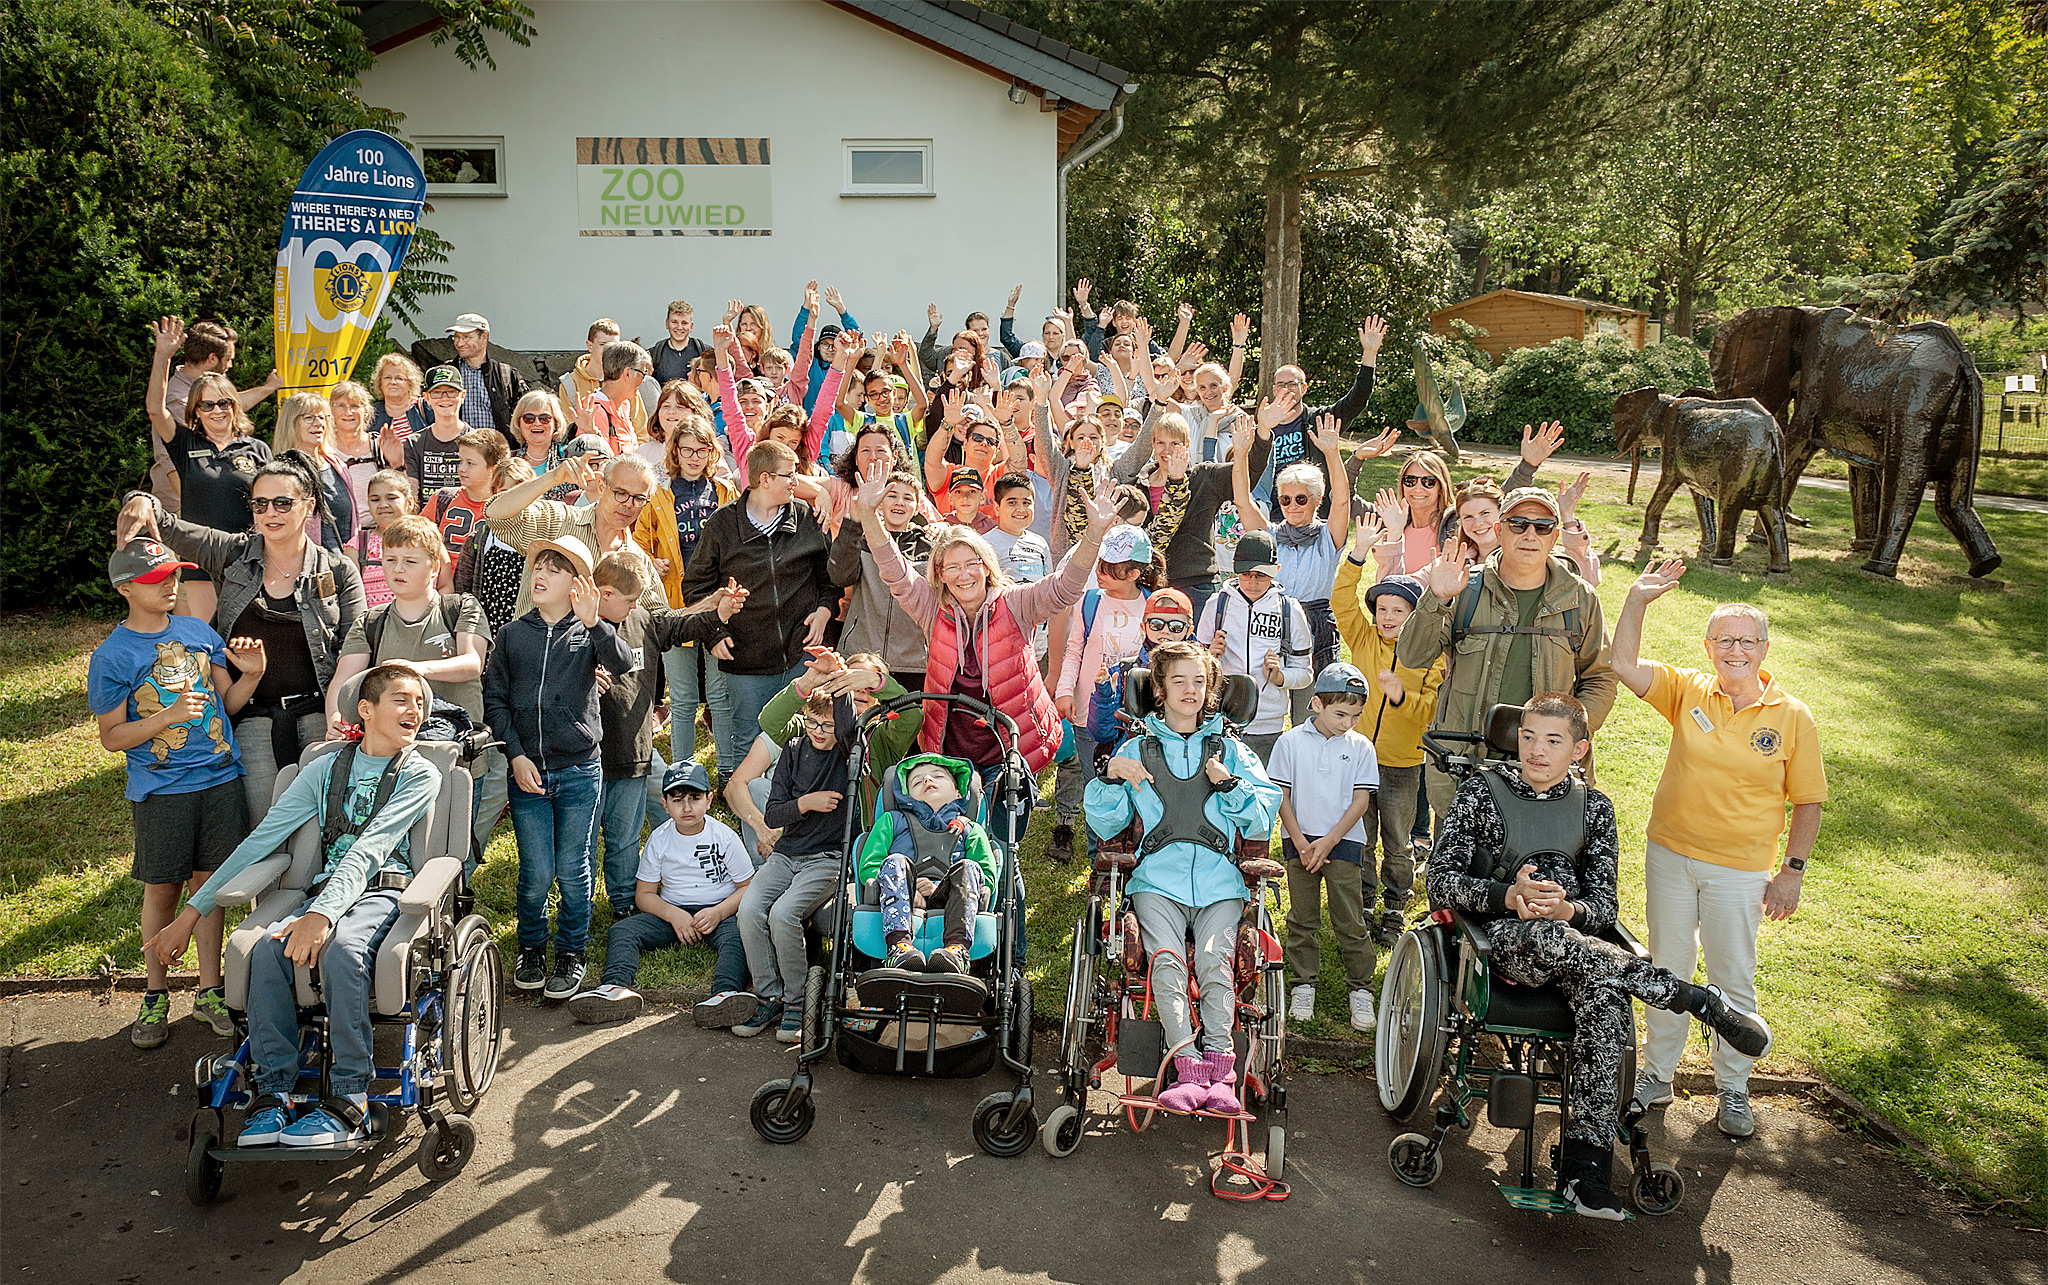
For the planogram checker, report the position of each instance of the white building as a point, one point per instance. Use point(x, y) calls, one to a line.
point(905, 151)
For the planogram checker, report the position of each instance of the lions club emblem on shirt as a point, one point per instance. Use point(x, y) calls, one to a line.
point(1765, 741)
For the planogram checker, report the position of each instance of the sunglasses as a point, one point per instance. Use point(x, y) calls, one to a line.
point(1426, 482)
point(265, 503)
point(1175, 628)
point(1542, 526)
point(542, 418)
point(1290, 501)
point(221, 404)
point(981, 439)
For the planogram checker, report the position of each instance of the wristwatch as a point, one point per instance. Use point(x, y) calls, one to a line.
point(1796, 863)
point(1227, 784)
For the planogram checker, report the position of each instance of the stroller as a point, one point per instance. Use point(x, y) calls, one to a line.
point(883, 1021)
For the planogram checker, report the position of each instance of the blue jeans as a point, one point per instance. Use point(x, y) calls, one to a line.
point(694, 679)
point(347, 964)
point(749, 694)
point(620, 816)
point(555, 830)
point(636, 933)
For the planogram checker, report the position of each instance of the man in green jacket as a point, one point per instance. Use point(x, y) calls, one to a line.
point(1519, 625)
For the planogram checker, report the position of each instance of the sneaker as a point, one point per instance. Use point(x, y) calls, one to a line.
point(1582, 1178)
point(766, 1014)
point(211, 1007)
point(947, 959)
point(532, 971)
point(608, 1003)
point(1363, 1014)
point(265, 1123)
point(1735, 1118)
point(567, 977)
point(152, 1026)
point(335, 1122)
point(1301, 1003)
point(1746, 1033)
point(792, 1028)
point(905, 956)
point(1653, 1092)
point(725, 1009)
point(1061, 850)
point(1388, 930)
point(1418, 847)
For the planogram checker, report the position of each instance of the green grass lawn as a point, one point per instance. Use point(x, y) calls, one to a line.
point(2025, 476)
point(1915, 974)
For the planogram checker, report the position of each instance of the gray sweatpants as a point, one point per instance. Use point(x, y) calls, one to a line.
point(1164, 925)
point(783, 893)
point(1390, 818)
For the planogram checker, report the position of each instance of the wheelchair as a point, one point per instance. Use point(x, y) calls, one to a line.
point(1109, 1031)
point(1445, 1019)
point(884, 1021)
point(437, 982)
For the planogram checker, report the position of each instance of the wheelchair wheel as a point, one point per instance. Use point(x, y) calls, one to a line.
point(1658, 1190)
point(766, 1114)
point(472, 1037)
point(1411, 1043)
point(202, 1171)
point(1061, 1133)
point(1021, 1020)
point(815, 1020)
point(446, 1148)
point(1415, 1161)
point(988, 1124)
point(1074, 1059)
point(1276, 1152)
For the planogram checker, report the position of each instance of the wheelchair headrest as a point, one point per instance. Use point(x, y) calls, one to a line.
point(1504, 729)
point(1240, 696)
point(349, 690)
point(896, 796)
point(443, 831)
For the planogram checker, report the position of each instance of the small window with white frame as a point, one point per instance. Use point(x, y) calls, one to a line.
point(886, 167)
point(463, 166)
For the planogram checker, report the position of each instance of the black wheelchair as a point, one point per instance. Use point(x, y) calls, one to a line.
point(1445, 1019)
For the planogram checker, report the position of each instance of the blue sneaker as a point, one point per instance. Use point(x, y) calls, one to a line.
point(792, 1028)
point(766, 1014)
point(265, 1123)
point(335, 1122)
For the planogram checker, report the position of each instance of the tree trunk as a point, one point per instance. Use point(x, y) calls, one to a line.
point(1280, 327)
point(1681, 307)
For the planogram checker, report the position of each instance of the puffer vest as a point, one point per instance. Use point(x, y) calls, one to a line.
point(1009, 674)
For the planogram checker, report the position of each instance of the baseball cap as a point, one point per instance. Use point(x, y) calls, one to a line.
point(143, 561)
point(1170, 604)
point(467, 322)
point(898, 381)
point(1017, 376)
point(1530, 495)
point(1340, 679)
point(1030, 350)
point(1126, 543)
point(974, 414)
point(587, 444)
point(1257, 552)
point(688, 775)
point(964, 475)
point(574, 550)
point(1407, 588)
point(1110, 399)
point(829, 332)
point(441, 377)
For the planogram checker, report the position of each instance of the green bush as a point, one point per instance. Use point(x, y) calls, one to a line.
point(1998, 346)
point(1576, 381)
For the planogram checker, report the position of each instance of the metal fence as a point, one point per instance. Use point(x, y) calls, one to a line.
point(2015, 412)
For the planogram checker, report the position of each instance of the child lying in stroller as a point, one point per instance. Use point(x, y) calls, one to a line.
point(929, 852)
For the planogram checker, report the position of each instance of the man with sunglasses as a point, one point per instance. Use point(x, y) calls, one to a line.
point(1291, 439)
point(1518, 624)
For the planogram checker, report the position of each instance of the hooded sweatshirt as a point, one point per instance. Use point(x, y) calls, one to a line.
point(540, 688)
point(1252, 630)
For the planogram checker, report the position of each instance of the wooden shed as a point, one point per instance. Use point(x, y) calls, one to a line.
point(1525, 319)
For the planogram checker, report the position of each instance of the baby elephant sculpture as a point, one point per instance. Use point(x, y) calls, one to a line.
point(1728, 452)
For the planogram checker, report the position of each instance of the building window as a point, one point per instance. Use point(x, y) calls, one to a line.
point(463, 166)
point(886, 167)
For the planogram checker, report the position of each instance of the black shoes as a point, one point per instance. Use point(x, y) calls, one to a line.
point(1582, 1176)
point(531, 973)
point(1744, 1032)
point(567, 977)
point(1061, 850)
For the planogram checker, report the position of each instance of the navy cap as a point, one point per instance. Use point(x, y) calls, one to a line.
point(1407, 588)
point(1340, 679)
point(688, 775)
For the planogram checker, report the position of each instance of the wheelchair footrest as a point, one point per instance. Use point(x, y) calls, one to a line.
point(1139, 1102)
point(1544, 1200)
point(278, 1151)
point(893, 990)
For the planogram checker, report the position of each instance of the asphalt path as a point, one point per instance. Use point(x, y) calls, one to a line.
point(623, 1153)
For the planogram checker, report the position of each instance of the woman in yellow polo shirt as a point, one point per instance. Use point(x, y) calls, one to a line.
point(1741, 749)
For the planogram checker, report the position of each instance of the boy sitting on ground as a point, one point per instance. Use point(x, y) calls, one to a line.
point(688, 887)
point(365, 819)
point(927, 853)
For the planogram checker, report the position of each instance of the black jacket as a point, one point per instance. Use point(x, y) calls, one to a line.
point(628, 706)
point(804, 769)
point(540, 688)
point(785, 572)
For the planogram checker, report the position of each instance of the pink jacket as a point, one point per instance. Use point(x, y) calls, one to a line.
point(742, 438)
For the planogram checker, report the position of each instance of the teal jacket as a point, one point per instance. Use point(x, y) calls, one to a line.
point(1191, 875)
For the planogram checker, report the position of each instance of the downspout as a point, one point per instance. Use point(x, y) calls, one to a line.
point(1116, 129)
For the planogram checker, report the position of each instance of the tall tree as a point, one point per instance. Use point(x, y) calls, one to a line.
point(1444, 97)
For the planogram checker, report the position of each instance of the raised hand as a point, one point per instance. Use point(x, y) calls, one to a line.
point(1184, 313)
point(834, 300)
point(1041, 385)
point(1324, 436)
point(1102, 513)
point(1540, 442)
point(1369, 533)
point(851, 345)
point(732, 310)
point(1378, 446)
point(1240, 330)
point(1393, 514)
point(586, 409)
point(721, 343)
point(170, 336)
point(933, 316)
point(1280, 408)
point(1657, 580)
point(1390, 683)
point(1141, 330)
point(1446, 574)
point(583, 600)
point(1081, 291)
point(1370, 336)
point(1568, 498)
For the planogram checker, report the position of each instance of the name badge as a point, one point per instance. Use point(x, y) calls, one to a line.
point(1700, 716)
point(639, 659)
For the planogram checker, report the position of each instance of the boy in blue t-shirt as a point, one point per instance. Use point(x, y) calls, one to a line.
point(160, 687)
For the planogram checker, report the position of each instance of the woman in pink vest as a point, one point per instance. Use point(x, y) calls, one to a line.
point(980, 625)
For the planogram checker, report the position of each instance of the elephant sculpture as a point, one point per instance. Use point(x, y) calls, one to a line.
point(1901, 410)
point(1729, 452)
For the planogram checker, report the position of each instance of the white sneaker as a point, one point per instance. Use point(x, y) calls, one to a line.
point(606, 1004)
point(1301, 1003)
point(1363, 1006)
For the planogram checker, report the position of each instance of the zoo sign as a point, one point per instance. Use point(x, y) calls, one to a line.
point(673, 187)
point(345, 235)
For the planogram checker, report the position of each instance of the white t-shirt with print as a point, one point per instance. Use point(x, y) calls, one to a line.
point(699, 869)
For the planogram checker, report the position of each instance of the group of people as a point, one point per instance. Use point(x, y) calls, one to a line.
point(776, 539)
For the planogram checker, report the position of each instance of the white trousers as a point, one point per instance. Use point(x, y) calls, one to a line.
point(1695, 908)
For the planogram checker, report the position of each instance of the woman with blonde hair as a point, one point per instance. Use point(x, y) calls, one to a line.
point(306, 423)
point(539, 428)
point(350, 409)
point(1412, 514)
point(397, 381)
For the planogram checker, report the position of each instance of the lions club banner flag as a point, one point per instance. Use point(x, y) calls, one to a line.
point(345, 237)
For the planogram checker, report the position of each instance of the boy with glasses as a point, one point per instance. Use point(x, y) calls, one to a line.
point(432, 458)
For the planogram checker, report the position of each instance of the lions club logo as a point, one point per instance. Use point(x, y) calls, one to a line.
point(243, 464)
point(347, 286)
point(1765, 741)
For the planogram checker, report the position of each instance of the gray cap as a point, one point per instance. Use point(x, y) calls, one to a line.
point(467, 322)
point(1340, 679)
point(687, 775)
point(1407, 588)
point(587, 444)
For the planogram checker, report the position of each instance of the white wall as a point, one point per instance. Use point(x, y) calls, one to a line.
point(799, 73)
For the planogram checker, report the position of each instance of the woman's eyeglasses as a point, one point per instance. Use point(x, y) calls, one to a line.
point(265, 503)
point(1171, 628)
point(220, 404)
point(693, 452)
point(1426, 482)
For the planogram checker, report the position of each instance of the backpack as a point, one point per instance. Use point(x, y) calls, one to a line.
point(1468, 606)
point(373, 622)
point(1107, 697)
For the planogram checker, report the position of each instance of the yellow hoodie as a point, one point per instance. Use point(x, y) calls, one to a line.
point(1396, 730)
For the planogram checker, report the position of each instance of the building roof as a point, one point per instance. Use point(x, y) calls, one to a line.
point(1080, 88)
point(1560, 300)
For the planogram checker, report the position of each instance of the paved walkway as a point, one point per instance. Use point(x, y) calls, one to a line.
point(624, 1154)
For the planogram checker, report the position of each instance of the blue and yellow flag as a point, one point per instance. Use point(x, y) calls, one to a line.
point(345, 237)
